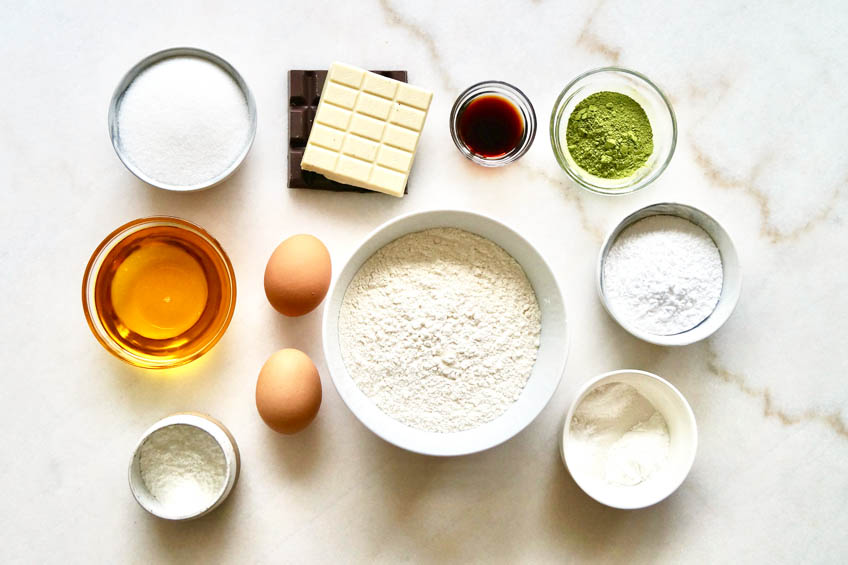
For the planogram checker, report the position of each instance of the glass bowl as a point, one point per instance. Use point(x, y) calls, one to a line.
point(640, 89)
point(513, 95)
point(161, 352)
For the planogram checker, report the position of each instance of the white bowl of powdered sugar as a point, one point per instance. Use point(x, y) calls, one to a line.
point(629, 439)
point(445, 332)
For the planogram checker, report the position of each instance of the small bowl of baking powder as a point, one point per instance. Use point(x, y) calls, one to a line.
point(669, 274)
point(629, 439)
point(184, 466)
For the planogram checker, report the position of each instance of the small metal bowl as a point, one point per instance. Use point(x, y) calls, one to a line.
point(514, 96)
point(146, 63)
point(222, 437)
point(732, 273)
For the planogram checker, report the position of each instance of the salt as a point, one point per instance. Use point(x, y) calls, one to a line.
point(183, 121)
point(663, 275)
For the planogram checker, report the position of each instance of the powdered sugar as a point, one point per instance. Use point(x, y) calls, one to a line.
point(663, 274)
point(183, 467)
point(618, 436)
point(440, 328)
point(183, 121)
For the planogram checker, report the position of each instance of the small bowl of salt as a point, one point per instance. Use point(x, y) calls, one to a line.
point(629, 439)
point(669, 274)
point(184, 466)
point(182, 119)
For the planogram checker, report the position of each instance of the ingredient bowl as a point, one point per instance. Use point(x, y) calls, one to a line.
point(683, 443)
point(547, 371)
point(146, 63)
point(515, 97)
point(732, 273)
point(145, 351)
point(222, 437)
point(647, 95)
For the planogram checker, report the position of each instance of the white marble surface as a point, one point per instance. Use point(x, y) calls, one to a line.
point(761, 96)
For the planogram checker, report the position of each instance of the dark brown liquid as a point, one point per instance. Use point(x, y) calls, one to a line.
point(491, 126)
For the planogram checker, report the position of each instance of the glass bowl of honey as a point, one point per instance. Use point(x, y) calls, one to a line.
point(159, 292)
point(492, 123)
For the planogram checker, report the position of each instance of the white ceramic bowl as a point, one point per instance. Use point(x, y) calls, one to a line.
point(731, 284)
point(683, 443)
point(547, 371)
point(222, 437)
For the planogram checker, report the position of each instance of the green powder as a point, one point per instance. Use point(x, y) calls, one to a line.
point(609, 135)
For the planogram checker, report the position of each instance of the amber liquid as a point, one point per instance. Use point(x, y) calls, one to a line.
point(491, 126)
point(162, 293)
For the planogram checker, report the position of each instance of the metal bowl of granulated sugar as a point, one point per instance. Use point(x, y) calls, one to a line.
point(184, 466)
point(182, 119)
point(445, 332)
point(669, 274)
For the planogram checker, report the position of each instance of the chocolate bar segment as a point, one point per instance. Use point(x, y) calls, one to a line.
point(304, 93)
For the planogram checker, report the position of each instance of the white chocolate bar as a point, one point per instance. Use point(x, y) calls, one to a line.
point(366, 129)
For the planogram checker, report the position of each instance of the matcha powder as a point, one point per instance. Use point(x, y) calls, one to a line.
point(609, 135)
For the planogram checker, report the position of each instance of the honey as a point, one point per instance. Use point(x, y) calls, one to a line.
point(163, 292)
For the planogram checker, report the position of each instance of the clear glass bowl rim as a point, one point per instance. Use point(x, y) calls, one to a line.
point(559, 154)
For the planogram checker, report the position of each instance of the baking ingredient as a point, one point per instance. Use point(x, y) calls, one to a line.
point(159, 291)
point(609, 135)
point(183, 467)
point(366, 130)
point(490, 126)
point(616, 435)
point(183, 121)
point(288, 391)
point(162, 293)
point(304, 93)
point(663, 275)
point(440, 328)
point(298, 275)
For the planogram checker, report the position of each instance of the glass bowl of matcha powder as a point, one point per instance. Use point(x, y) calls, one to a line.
point(613, 130)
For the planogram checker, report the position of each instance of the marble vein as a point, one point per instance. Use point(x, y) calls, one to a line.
point(590, 41)
point(395, 18)
point(569, 191)
point(767, 227)
point(832, 419)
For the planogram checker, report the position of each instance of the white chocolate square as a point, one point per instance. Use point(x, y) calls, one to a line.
point(366, 129)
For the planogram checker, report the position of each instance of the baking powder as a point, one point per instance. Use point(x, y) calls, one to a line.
point(663, 275)
point(618, 436)
point(183, 467)
point(183, 121)
point(440, 329)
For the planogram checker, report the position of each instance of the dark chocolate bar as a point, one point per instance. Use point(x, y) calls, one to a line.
point(304, 93)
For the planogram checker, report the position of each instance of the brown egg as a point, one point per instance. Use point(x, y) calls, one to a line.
point(298, 275)
point(288, 391)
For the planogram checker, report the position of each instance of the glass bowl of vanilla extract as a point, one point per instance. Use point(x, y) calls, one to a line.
point(159, 292)
point(492, 123)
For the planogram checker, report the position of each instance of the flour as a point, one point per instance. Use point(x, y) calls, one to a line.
point(618, 436)
point(183, 467)
point(663, 275)
point(440, 329)
point(183, 121)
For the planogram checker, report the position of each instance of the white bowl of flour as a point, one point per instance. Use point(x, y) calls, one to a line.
point(629, 439)
point(445, 332)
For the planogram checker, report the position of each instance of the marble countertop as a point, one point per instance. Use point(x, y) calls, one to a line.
point(761, 95)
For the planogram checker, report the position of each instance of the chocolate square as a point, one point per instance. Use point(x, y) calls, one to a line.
point(304, 93)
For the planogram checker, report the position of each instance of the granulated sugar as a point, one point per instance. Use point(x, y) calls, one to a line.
point(663, 275)
point(183, 121)
point(440, 329)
